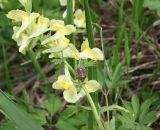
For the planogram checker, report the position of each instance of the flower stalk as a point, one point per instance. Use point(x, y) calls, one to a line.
point(94, 110)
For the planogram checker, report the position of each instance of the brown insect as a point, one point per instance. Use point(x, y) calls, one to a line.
point(81, 73)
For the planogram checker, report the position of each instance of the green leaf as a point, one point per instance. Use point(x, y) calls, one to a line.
point(122, 128)
point(145, 128)
point(127, 51)
point(144, 109)
point(39, 116)
point(117, 73)
point(18, 116)
point(52, 104)
point(135, 104)
point(113, 107)
point(126, 120)
point(8, 126)
point(79, 119)
point(128, 106)
point(149, 117)
point(110, 125)
point(152, 4)
point(64, 125)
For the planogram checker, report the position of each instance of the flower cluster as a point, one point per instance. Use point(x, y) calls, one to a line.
point(73, 92)
point(32, 26)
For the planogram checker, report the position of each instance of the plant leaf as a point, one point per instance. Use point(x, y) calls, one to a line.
point(135, 104)
point(18, 116)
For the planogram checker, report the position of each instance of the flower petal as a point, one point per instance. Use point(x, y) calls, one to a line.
point(67, 30)
point(92, 86)
point(56, 25)
point(87, 53)
point(63, 2)
point(67, 74)
point(70, 95)
point(52, 38)
point(96, 54)
point(59, 45)
point(63, 82)
point(79, 20)
point(71, 52)
point(24, 17)
point(40, 27)
point(85, 46)
point(55, 55)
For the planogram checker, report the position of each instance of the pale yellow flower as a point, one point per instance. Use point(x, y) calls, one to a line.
point(36, 29)
point(23, 41)
point(58, 41)
point(29, 29)
point(70, 93)
point(60, 27)
point(79, 19)
point(57, 45)
point(91, 86)
point(56, 55)
point(71, 52)
point(24, 17)
point(65, 83)
point(88, 53)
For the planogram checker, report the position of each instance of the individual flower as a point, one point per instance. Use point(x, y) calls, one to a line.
point(57, 45)
point(22, 41)
point(90, 86)
point(88, 53)
point(70, 93)
point(25, 18)
point(65, 83)
point(79, 19)
point(71, 52)
point(59, 27)
point(36, 29)
point(58, 41)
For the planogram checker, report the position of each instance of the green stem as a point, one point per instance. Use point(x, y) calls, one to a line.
point(69, 20)
point(7, 74)
point(70, 67)
point(37, 66)
point(94, 110)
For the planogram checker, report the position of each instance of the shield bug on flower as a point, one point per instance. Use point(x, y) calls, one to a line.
point(81, 73)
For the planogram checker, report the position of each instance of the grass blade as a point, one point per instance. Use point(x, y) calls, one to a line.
point(18, 116)
point(69, 20)
point(8, 81)
point(92, 74)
